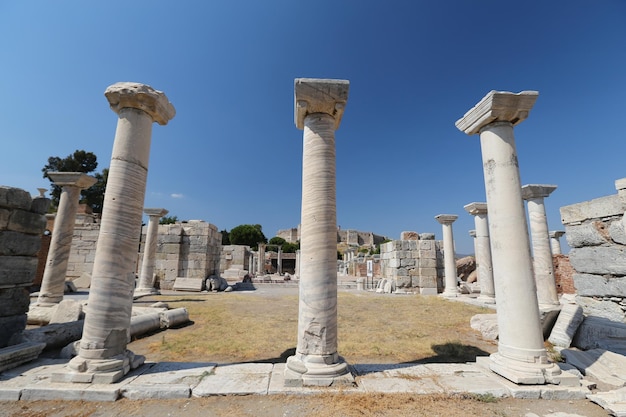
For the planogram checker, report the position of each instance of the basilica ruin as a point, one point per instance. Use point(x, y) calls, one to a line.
point(118, 260)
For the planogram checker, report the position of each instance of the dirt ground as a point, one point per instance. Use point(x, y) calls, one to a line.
point(347, 405)
point(323, 405)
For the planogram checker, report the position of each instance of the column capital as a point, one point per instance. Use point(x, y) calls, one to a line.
point(76, 179)
point(476, 208)
point(556, 234)
point(142, 97)
point(530, 191)
point(316, 95)
point(155, 212)
point(497, 106)
point(446, 218)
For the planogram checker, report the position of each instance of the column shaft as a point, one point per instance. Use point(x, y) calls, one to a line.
point(53, 281)
point(146, 276)
point(542, 254)
point(483, 259)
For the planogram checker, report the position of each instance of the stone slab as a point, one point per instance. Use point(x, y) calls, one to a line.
point(277, 385)
point(237, 379)
point(614, 401)
point(570, 318)
point(602, 365)
point(67, 311)
point(188, 284)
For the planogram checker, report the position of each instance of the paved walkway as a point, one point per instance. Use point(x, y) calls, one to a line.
point(168, 380)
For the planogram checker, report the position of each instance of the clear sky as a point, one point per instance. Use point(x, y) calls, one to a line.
point(232, 155)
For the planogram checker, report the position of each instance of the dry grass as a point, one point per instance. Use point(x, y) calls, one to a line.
point(373, 328)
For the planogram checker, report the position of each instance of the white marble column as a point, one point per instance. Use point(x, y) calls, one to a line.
point(251, 263)
point(146, 276)
point(319, 106)
point(279, 261)
point(53, 281)
point(102, 355)
point(297, 270)
point(483, 252)
point(451, 287)
point(534, 195)
point(555, 241)
point(521, 355)
point(261, 268)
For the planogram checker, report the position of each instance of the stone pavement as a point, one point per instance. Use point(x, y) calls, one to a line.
point(169, 380)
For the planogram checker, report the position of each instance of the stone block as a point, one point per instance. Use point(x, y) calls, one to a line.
point(26, 222)
point(403, 282)
point(486, 324)
point(11, 328)
point(427, 272)
point(598, 308)
point(427, 263)
point(409, 236)
point(84, 281)
point(14, 198)
point(599, 260)
point(13, 356)
point(427, 236)
point(66, 311)
point(587, 234)
point(394, 263)
point(594, 209)
point(40, 205)
point(407, 262)
point(5, 215)
point(17, 270)
point(599, 332)
point(599, 286)
point(19, 244)
point(188, 284)
point(14, 301)
point(617, 232)
point(427, 281)
point(426, 245)
point(570, 318)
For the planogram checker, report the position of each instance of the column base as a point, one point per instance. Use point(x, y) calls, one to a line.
point(522, 372)
point(317, 370)
point(144, 292)
point(450, 294)
point(99, 371)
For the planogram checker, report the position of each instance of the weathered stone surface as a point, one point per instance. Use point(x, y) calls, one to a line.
point(17, 270)
point(140, 96)
point(56, 335)
point(587, 234)
point(608, 310)
point(617, 232)
point(464, 267)
point(594, 209)
point(314, 95)
point(599, 332)
point(599, 286)
point(188, 284)
point(174, 317)
point(40, 205)
point(26, 222)
point(14, 301)
point(14, 198)
point(16, 244)
point(13, 356)
point(11, 328)
point(614, 401)
point(599, 260)
point(408, 235)
point(66, 311)
point(607, 367)
point(84, 281)
point(486, 324)
point(570, 318)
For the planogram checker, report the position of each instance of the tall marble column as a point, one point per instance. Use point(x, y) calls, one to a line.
point(555, 241)
point(319, 106)
point(102, 355)
point(521, 355)
point(483, 252)
point(251, 263)
point(279, 261)
point(534, 195)
point(261, 268)
point(146, 276)
point(53, 281)
point(451, 287)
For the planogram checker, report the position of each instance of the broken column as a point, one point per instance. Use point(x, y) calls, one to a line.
point(53, 281)
point(451, 288)
point(146, 276)
point(555, 241)
point(319, 106)
point(483, 252)
point(534, 195)
point(521, 355)
point(102, 356)
point(261, 259)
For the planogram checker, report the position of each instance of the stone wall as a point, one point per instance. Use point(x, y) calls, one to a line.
point(84, 240)
point(595, 232)
point(349, 236)
point(414, 263)
point(563, 274)
point(186, 250)
point(234, 257)
point(22, 222)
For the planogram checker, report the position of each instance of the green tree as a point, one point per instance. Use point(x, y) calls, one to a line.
point(247, 234)
point(79, 161)
point(276, 240)
point(290, 247)
point(168, 220)
point(225, 237)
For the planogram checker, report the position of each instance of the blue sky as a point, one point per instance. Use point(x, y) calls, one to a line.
point(232, 154)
